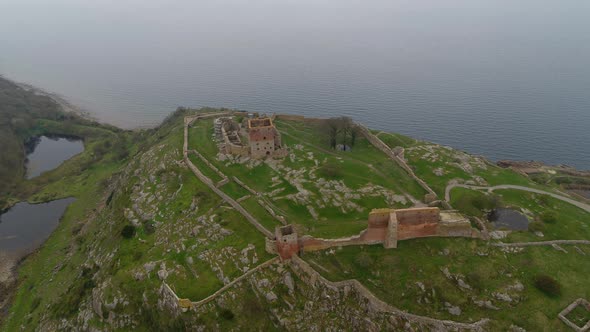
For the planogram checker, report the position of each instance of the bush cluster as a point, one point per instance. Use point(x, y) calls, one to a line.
point(330, 171)
point(128, 231)
point(547, 285)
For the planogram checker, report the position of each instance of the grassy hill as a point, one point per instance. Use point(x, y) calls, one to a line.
point(141, 217)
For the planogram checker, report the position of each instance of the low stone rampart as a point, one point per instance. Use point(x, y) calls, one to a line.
point(170, 301)
point(387, 226)
point(540, 243)
point(272, 212)
point(209, 164)
point(290, 117)
point(370, 302)
point(379, 144)
point(235, 281)
point(211, 185)
point(309, 243)
point(243, 185)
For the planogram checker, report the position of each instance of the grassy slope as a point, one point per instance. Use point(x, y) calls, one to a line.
point(86, 228)
point(61, 275)
point(393, 276)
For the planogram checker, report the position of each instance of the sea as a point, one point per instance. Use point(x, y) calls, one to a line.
point(500, 78)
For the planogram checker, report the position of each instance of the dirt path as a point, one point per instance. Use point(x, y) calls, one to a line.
point(581, 205)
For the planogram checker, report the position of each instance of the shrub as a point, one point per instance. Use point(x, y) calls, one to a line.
point(547, 285)
point(149, 227)
point(540, 178)
point(475, 279)
point(536, 226)
point(487, 202)
point(330, 170)
point(128, 231)
point(35, 304)
point(549, 217)
point(227, 314)
point(544, 200)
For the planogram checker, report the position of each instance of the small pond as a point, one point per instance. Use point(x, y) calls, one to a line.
point(508, 219)
point(26, 226)
point(47, 152)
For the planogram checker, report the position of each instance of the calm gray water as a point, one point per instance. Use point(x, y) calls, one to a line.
point(26, 226)
point(508, 219)
point(50, 152)
point(502, 78)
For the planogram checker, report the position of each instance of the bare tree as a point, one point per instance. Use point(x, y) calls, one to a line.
point(340, 130)
point(332, 128)
point(348, 131)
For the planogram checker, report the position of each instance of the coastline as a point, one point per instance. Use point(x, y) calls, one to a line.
point(65, 105)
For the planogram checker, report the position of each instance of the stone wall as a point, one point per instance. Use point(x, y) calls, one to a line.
point(309, 243)
point(416, 223)
point(209, 183)
point(388, 226)
point(168, 300)
point(371, 304)
point(379, 144)
point(290, 117)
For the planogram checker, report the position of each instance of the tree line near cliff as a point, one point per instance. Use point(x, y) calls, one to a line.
point(26, 115)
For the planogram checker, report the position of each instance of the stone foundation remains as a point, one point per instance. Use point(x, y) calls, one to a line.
point(256, 137)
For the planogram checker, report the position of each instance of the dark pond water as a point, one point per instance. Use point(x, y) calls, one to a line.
point(508, 219)
point(26, 226)
point(46, 153)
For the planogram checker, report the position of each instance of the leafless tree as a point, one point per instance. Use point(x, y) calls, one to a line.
point(332, 128)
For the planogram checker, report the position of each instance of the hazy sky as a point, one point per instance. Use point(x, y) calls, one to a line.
point(490, 69)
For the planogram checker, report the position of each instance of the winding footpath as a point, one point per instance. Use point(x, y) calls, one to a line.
point(581, 205)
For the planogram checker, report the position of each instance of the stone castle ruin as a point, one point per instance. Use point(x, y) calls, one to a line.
point(384, 226)
point(256, 137)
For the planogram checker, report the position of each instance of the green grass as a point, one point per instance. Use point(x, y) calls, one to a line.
point(88, 225)
point(446, 159)
point(394, 140)
point(365, 165)
point(204, 168)
point(260, 213)
point(572, 222)
point(234, 190)
point(61, 273)
point(393, 275)
point(579, 316)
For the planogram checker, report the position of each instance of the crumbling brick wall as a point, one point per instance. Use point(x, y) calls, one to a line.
point(417, 222)
point(386, 226)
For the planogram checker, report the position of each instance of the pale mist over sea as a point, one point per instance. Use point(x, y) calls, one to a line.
point(502, 78)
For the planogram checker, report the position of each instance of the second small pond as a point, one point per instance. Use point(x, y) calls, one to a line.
point(508, 219)
point(48, 152)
